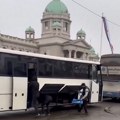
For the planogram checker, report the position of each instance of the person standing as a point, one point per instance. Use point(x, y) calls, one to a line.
point(45, 102)
point(83, 94)
point(48, 100)
point(34, 86)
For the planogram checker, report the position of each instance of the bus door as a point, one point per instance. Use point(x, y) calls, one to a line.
point(94, 85)
point(19, 86)
point(94, 92)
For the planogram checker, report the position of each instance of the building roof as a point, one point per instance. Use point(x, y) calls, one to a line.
point(56, 7)
point(81, 32)
point(110, 60)
point(29, 29)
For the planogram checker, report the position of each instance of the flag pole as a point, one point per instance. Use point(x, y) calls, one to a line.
point(101, 37)
point(107, 33)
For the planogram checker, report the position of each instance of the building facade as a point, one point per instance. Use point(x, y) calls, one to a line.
point(55, 37)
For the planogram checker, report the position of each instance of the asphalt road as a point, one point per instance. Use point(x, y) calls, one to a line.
point(96, 112)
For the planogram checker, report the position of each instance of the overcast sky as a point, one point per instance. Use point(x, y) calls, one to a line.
point(17, 15)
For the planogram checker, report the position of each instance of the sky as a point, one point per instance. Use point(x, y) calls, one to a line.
point(17, 15)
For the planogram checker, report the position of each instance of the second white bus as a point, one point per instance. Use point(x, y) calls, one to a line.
point(111, 75)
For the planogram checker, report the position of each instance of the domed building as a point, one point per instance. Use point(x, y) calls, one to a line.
point(57, 7)
point(55, 37)
point(56, 12)
point(30, 33)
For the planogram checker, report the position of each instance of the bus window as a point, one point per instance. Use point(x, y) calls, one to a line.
point(48, 68)
point(41, 67)
point(59, 68)
point(45, 67)
point(20, 69)
point(5, 65)
point(9, 68)
point(90, 71)
point(62, 69)
point(94, 73)
point(81, 70)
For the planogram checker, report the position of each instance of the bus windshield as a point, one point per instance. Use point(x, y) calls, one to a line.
point(111, 73)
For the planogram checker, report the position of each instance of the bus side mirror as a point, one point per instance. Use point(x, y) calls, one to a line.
point(98, 67)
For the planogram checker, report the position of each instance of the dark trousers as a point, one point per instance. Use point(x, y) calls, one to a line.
point(46, 103)
point(83, 106)
point(35, 103)
point(47, 108)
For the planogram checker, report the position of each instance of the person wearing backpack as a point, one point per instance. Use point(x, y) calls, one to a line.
point(83, 94)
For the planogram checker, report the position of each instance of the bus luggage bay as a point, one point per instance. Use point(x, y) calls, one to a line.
point(57, 76)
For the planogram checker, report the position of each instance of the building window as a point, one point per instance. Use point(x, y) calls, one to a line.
point(56, 21)
point(5, 47)
point(46, 25)
point(54, 29)
point(72, 54)
point(32, 36)
point(12, 48)
point(79, 54)
point(66, 53)
point(65, 27)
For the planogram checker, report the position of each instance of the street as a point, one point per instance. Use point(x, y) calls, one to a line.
point(96, 112)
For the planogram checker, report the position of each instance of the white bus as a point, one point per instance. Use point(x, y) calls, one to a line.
point(111, 75)
point(57, 76)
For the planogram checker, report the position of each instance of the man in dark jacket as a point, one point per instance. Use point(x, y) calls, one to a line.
point(83, 95)
point(34, 86)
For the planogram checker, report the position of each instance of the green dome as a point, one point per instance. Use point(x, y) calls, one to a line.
point(81, 32)
point(56, 7)
point(29, 29)
point(56, 24)
point(92, 50)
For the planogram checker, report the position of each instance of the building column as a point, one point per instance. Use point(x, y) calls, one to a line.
point(75, 54)
point(26, 36)
point(84, 56)
point(34, 36)
point(70, 51)
point(87, 56)
point(50, 25)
